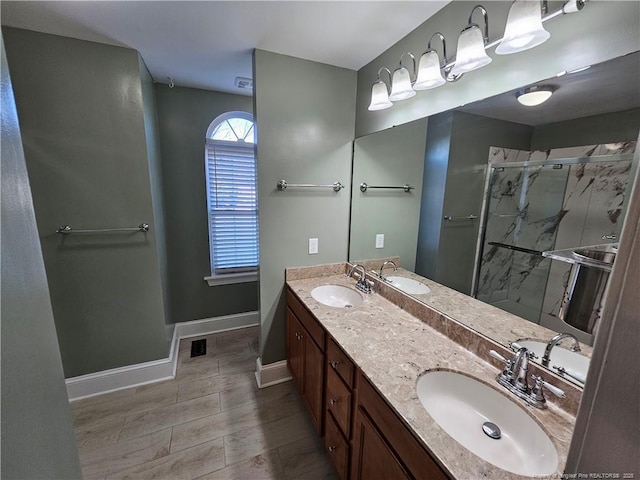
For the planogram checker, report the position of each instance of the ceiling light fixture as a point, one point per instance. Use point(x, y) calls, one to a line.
point(535, 95)
point(524, 28)
point(471, 54)
point(430, 68)
point(401, 88)
point(379, 93)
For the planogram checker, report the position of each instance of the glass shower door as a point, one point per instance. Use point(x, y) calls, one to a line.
point(524, 210)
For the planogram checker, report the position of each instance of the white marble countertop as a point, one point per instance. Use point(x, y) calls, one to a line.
point(393, 349)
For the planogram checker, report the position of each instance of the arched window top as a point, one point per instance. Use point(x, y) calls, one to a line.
point(232, 127)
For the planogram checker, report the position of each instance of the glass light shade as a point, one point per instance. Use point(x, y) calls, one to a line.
point(471, 54)
point(524, 28)
point(429, 73)
point(401, 85)
point(379, 97)
point(534, 97)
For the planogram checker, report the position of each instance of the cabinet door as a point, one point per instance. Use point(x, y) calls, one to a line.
point(372, 458)
point(295, 349)
point(312, 378)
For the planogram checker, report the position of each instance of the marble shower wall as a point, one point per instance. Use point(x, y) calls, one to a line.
point(545, 208)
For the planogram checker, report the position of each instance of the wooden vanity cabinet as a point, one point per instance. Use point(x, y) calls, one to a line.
point(383, 447)
point(305, 357)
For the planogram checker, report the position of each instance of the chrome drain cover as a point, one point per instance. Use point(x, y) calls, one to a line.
point(491, 430)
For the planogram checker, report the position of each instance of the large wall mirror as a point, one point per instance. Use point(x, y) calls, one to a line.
point(470, 198)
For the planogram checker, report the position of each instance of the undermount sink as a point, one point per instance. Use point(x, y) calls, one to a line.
point(408, 285)
point(462, 406)
point(574, 363)
point(336, 296)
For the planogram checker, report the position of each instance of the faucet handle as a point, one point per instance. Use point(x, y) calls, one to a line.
point(537, 393)
point(497, 356)
point(515, 346)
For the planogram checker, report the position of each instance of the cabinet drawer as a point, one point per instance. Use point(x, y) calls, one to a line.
point(339, 402)
point(316, 332)
point(337, 447)
point(340, 363)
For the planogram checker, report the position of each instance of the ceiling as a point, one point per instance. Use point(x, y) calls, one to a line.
point(610, 86)
point(207, 44)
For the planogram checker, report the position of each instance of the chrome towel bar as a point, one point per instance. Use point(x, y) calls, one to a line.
point(282, 185)
point(406, 187)
point(67, 230)
point(449, 218)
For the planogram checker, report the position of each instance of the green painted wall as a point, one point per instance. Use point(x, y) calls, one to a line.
point(392, 157)
point(184, 114)
point(305, 117)
point(82, 121)
point(601, 31)
point(605, 128)
point(446, 249)
point(37, 437)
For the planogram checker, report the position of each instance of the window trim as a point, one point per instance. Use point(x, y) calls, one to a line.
point(231, 278)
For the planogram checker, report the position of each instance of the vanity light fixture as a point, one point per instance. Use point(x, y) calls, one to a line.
point(379, 93)
point(401, 88)
point(430, 68)
point(523, 31)
point(535, 95)
point(471, 54)
point(524, 28)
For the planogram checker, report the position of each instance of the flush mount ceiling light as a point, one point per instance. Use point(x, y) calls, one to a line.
point(535, 95)
point(524, 28)
point(471, 54)
point(379, 93)
point(429, 68)
point(401, 88)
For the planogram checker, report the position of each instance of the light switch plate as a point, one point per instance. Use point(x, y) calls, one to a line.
point(313, 246)
point(379, 240)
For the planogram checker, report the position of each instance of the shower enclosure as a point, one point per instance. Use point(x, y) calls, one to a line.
point(539, 201)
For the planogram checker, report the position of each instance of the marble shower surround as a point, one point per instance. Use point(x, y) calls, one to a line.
point(590, 205)
point(396, 341)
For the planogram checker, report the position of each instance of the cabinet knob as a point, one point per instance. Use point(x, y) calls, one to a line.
point(299, 336)
point(334, 364)
point(332, 448)
point(333, 401)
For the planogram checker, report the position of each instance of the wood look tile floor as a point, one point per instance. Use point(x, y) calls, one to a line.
point(211, 422)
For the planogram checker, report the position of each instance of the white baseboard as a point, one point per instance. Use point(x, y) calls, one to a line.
point(156, 371)
point(272, 373)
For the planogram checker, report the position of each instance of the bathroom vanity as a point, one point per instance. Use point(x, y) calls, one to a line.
point(357, 369)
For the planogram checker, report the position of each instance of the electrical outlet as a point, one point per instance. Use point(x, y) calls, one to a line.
point(198, 347)
point(379, 240)
point(313, 246)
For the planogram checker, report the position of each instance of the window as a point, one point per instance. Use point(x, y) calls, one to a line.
point(230, 171)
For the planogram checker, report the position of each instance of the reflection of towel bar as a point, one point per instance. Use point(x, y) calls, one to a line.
point(406, 187)
point(517, 249)
point(282, 185)
point(67, 230)
point(468, 217)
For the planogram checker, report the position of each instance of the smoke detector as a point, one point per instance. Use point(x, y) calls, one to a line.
point(244, 83)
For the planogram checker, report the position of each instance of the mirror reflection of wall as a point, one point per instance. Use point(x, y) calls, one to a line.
point(392, 158)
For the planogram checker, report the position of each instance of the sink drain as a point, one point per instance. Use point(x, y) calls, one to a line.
point(491, 430)
point(348, 306)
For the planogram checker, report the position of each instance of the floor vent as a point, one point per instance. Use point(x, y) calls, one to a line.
point(198, 347)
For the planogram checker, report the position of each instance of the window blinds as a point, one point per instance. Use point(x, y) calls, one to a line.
point(233, 208)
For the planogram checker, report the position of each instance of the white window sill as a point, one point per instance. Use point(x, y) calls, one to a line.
point(231, 278)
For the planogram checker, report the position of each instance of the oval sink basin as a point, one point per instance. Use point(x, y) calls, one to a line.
point(573, 362)
point(337, 296)
point(408, 285)
point(461, 406)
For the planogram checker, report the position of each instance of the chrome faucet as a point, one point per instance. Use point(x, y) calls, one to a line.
point(554, 341)
point(518, 383)
point(363, 284)
point(395, 268)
